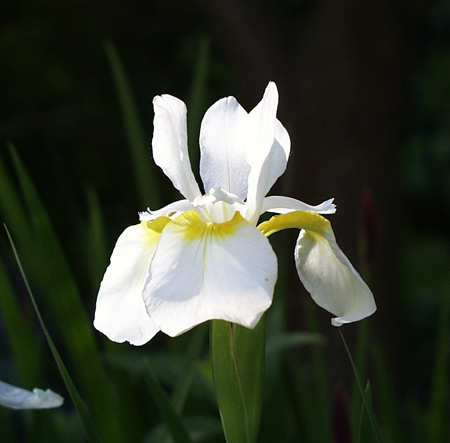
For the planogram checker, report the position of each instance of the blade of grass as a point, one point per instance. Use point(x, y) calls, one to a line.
point(25, 345)
point(388, 404)
point(96, 240)
point(6, 425)
point(283, 342)
point(184, 383)
point(438, 414)
point(173, 421)
point(365, 402)
point(192, 354)
point(137, 140)
point(362, 334)
point(322, 415)
point(361, 412)
point(197, 99)
point(11, 205)
point(52, 275)
point(80, 405)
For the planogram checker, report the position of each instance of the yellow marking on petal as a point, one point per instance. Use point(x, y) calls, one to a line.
point(310, 221)
point(154, 228)
point(193, 226)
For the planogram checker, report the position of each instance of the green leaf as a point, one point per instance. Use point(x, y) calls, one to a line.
point(200, 428)
point(173, 421)
point(79, 403)
point(11, 205)
point(137, 140)
point(368, 396)
point(53, 277)
point(365, 401)
point(25, 345)
point(439, 402)
point(237, 356)
point(197, 99)
point(387, 400)
point(96, 240)
point(283, 342)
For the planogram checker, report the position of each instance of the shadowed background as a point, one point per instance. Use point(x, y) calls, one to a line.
point(364, 94)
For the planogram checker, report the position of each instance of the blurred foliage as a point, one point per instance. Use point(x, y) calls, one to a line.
point(72, 186)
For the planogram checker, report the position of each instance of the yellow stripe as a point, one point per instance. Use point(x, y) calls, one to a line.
point(193, 226)
point(310, 221)
point(153, 229)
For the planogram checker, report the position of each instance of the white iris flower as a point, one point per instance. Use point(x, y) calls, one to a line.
point(204, 257)
point(14, 397)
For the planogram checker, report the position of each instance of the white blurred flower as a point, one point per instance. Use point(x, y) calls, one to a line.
point(204, 257)
point(17, 398)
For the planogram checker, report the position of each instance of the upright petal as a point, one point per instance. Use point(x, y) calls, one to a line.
point(324, 270)
point(283, 205)
point(268, 152)
point(170, 144)
point(14, 397)
point(223, 162)
point(204, 271)
point(171, 210)
point(120, 312)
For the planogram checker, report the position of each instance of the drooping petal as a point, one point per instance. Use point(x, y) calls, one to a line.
point(324, 270)
point(204, 271)
point(223, 161)
point(283, 205)
point(169, 144)
point(120, 312)
point(268, 153)
point(171, 210)
point(14, 397)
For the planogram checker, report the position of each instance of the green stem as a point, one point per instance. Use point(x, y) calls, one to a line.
point(237, 356)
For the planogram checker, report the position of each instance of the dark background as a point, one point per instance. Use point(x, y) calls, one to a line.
point(364, 93)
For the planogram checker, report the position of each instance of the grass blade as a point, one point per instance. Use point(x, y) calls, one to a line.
point(285, 341)
point(197, 99)
point(438, 415)
point(137, 140)
point(53, 277)
point(387, 401)
point(78, 402)
point(365, 401)
point(11, 205)
point(96, 240)
point(25, 346)
point(173, 421)
point(361, 412)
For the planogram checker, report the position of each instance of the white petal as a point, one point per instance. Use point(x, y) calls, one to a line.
point(269, 152)
point(169, 143)
point(223, 161)
point(210, 271)
point(283, 205)
point(18, 398)
point(120, 312)
point(330, 278)
point(171, 210)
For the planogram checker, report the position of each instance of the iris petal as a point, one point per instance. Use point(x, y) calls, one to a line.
point(169, 144)
point(120, 312)
point(223, 161)
point(323, 268)
point(204, 271)
point(283, 205)
point(268, 152)
point(14, 397)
